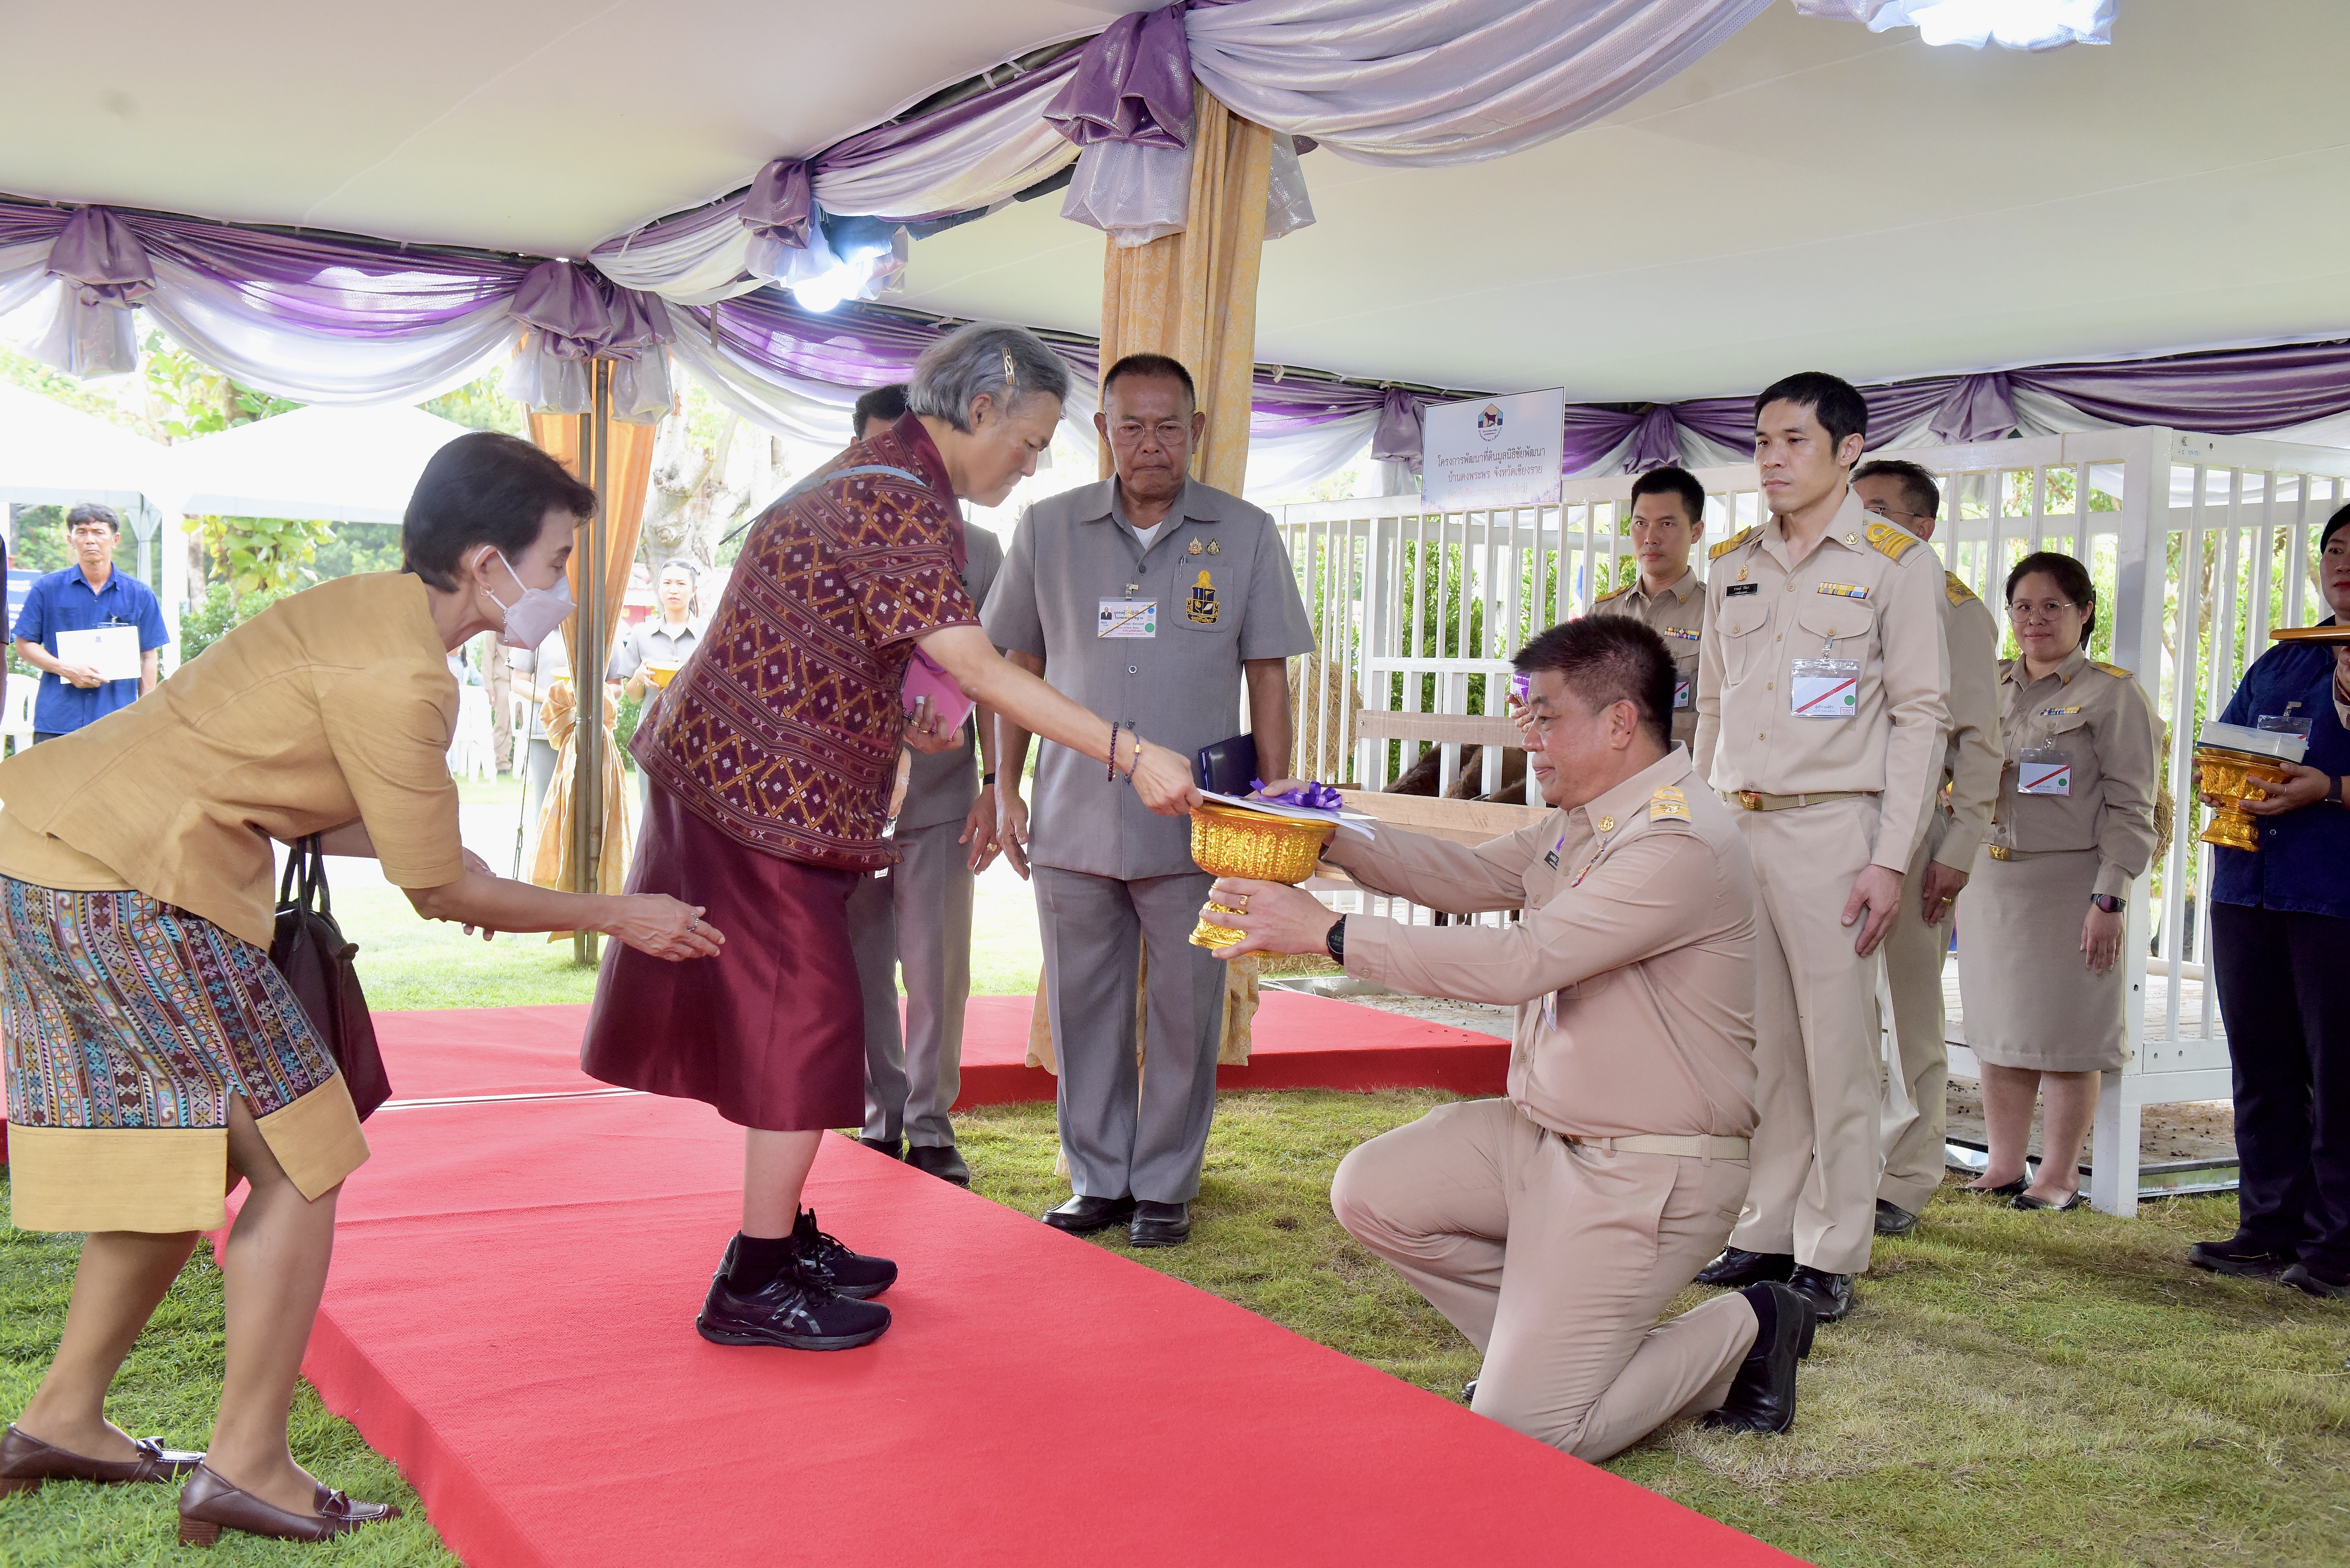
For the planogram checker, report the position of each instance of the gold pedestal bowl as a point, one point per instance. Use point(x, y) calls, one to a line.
point(661, 674)
point(1229, 841)
point(2230, 775)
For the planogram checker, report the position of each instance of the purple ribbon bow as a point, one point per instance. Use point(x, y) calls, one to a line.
point(1313, 795)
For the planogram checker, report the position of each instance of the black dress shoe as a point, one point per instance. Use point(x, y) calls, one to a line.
point(1469, 1392)
point(1830, 1295)
point(2025, 1201)
point(787, 1311)
point(1159, 1224)
point(1892, 1220)
point(1082, 1215)
point(889, 1146)
point(823, 1263)
point(2302, 1277)
point(942, 1160)
point(1739, 1268)
point(2004, 1190)
point(2246, 1257)
point(1763, 1395)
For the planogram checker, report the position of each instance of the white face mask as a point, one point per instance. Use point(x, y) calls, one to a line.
point(533, 618)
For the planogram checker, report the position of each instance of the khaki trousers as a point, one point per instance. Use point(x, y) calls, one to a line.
point(1816, 1047)
point(1555, 1258)
point(1914, 955)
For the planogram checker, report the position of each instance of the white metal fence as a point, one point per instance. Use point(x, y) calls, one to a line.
point(2199, 545)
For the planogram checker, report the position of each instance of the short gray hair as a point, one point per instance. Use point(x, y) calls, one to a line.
point(1006, 364)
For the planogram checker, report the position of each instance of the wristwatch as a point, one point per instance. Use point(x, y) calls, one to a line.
point(1334, 940)
point(2107, 902)
point(987, 781)
point(2334, 789)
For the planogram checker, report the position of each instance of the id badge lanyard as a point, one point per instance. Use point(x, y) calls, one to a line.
point(1824, 688)
point(2046, 768)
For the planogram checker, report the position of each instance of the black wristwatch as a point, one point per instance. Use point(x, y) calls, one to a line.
point(987, 781)
point(2333, 790)
point(1335, 940)
point(2107, 902)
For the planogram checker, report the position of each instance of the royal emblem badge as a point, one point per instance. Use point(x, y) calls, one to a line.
point(1200, 608)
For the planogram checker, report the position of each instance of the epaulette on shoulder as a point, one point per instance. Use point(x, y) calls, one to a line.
point(1955, 590)
point(1611, 598)
point(2115, 670)
point(1727, 545)
point(1889, 540)
point(1668, 801)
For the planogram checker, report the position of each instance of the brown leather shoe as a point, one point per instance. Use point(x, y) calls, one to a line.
point(209, 1505)
point(26, 1463)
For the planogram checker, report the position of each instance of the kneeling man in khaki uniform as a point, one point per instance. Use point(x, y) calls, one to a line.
point(1553, 1227)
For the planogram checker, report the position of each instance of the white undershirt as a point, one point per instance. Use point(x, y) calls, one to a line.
point(1146, 534)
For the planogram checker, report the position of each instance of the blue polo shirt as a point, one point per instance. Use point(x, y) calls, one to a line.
point(63, 601)
point(2303, 862)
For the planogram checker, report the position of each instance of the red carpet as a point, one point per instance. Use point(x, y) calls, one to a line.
point(510, 1321)
point(1301, 1042)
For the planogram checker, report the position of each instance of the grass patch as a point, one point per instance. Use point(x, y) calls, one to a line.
point(2038, 1391)
point(407, 961)
point(170, 1388)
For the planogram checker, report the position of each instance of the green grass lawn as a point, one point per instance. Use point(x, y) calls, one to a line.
point(2014, 1388)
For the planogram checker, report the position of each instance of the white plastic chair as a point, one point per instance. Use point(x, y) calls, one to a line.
point(17, 712)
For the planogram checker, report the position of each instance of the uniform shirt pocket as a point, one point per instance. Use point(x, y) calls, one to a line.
point(1834, 618)
point(1738, 621)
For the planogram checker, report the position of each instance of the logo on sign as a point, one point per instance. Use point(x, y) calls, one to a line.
point(1489, 422)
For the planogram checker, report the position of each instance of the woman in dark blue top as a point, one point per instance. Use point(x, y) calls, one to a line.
point(2281, 953)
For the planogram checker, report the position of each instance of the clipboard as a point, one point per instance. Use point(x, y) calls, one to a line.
point(111, 650)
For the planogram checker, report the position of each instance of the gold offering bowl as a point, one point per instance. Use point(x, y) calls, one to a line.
point(2230, 775)
point(1229, 841)
point(660, 674)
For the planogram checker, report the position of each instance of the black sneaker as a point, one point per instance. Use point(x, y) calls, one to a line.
point(788, 1312)
point(823, 1262)
point(2246, 1257)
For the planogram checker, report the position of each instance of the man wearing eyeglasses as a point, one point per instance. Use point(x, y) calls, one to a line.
point(1151, 598)
point(88, 629)
point(1919, 937)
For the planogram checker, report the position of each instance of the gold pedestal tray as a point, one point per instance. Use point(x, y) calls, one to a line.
point(2231, 774)
point(1229, 841)
point(660, 674)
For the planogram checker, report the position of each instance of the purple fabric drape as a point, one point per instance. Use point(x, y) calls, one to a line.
point(108, 271)
point(780, 206)
point(575, 315)
point(1397, 438)
point(1132, 84)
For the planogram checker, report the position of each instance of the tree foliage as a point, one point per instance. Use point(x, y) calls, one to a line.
point(220, 611)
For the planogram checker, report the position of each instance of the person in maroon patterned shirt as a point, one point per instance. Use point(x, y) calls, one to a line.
point(771, 757)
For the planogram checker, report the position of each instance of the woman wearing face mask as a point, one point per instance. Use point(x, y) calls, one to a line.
point(771, 756)
point(2040, 923)
point(2281, 953)
point(150, 1045)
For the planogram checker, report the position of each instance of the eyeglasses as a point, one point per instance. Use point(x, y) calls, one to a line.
point(1169, 432)
point(2047, 609)
point(1892, 512)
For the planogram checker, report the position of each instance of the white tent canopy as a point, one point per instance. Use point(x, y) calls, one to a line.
point(53, 455)
point(337, 465)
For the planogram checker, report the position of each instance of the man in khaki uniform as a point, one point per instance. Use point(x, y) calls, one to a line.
point(1820, 715)
point(1668, 520)
point(1906, 495)
point(1553, 1227)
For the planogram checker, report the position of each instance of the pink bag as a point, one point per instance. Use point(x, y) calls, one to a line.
point(925, 677)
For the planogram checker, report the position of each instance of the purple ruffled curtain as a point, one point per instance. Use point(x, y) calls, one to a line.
point(575, 316)
point(107, 273)
point(1132, 84)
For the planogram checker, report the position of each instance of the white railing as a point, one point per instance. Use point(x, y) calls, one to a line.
point(1421, 612)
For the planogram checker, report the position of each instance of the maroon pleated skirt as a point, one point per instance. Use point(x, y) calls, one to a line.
point(771, 1032)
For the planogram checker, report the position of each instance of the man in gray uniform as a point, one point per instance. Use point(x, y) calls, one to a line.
point(917, 914)
point(1146, 598)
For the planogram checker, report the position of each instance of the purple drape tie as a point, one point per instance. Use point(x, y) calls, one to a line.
point(1397, 437)
point(780, 212)
point(1133, 83)
point(97, 255)
point(1980, 408)
point(575, 315)
point(1656, 440)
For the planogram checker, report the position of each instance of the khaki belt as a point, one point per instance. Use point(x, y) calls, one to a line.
point(1702, 1146)
point(1755, 800)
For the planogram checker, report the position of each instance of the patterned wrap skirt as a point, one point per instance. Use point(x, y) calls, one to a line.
point(129, 1025)
point(771, 1032)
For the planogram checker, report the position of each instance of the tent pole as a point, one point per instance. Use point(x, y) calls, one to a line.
point(587, 672)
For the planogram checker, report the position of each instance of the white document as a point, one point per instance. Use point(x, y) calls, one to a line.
point(111, 650)
point(1352, 821)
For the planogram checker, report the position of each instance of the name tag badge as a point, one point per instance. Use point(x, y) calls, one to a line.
point(1680, 694)
point(1824, 688)
point(2045, 770)
point(1128, 617)
point(1734, 589)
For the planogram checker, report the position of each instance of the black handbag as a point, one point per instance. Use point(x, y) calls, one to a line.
point(310, 951)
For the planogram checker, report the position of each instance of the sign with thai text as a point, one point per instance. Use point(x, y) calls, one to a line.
point(1493, 452)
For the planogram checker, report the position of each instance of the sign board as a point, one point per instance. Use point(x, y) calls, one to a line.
point(1493, 452)
point(20, 588)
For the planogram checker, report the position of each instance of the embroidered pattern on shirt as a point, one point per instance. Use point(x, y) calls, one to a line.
point(1727, 545)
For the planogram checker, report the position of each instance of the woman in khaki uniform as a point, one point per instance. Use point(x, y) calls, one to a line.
point(152, 1048)
point(2041, 922)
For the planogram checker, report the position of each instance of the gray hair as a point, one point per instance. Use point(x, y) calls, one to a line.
point(1006, 364)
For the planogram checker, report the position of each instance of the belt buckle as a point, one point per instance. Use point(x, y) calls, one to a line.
point(1751, 799)
point(2000, 852)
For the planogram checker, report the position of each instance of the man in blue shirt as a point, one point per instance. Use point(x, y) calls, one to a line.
point(85, 597)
